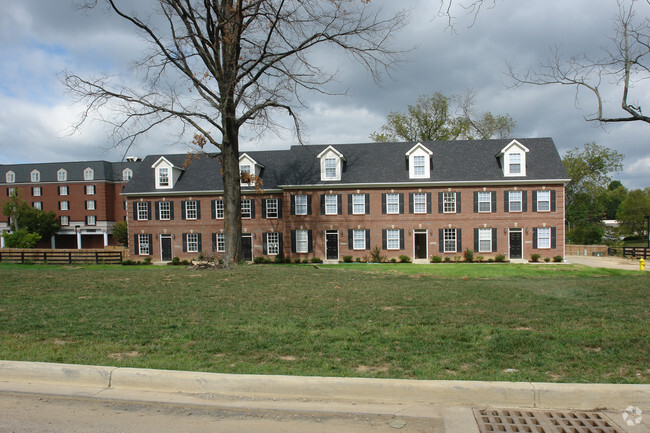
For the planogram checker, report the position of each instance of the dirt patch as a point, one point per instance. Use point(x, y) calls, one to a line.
point(287, 358)
point(373, 368)
point(118, 356)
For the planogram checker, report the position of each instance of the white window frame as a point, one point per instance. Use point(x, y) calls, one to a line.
point(449, 202)
point(37, 192)
point(300, 204)
point(546, 201)
point(419, 202)
point(62, 175)
point(518, 195)
point(392, 203)
point(358, 204)
point(246, 208)
point(358, 239)
point(302, 241)
point(272, 208)
point(90, 189)
point(38, 205)
point(392, 239)
point(331, 204)
point(142, 211)
point(89, 174)
point(221, 242)
point(484, 240)
point(91, 220)
point(191, 210)
point(273, 243)
point(515, 159)
point(64, 205)
point(65, 220)
point(163, 177)
point(419, 169)
point(11, 191)
point(331, 168)
point(127, 174)
point(10, 177)
point(165, 210)
point(192, 240)
point(219, 209)
point(90, 205)
point(543, 237)
point(63, 190)
point(144, 249)
point(449, 238)
point(484, 201)
point(35, 176)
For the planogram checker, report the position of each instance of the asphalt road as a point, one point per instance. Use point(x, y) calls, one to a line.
point(25, 413)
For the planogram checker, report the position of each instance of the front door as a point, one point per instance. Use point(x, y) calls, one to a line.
point(247, 247)
point(166, 248)
point(332, 245)
point(515, 245)
point(420, 245)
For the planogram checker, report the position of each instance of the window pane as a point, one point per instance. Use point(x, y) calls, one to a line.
point(543, 201)
point(449, 240)
point(544, 237)
point(515, 163)
point(449, 202)
point(418, 165)
point(484, 201)
point(515, 201)
point(246, 208)
point(272, 208)
point(302, 241)
point(331, 204)
point(358, 204)
point(221, 242)
point(392, 203)
point(164, 210)
point(192, 243)
point(190, 210)
point(143, 211)
point(392, 239)
point(359, 239)
point(301, 204)
point(484, 240)
point(273, 243)
point(330, 168)
point(419, 202)
point(218, 208)
point(163, 176)
point(143, 243)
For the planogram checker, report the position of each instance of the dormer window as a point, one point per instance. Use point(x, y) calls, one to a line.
point(251, 167)
point(419, 158)
point(331, 164)
point(163, 176)
point(36, 176)
point(89, 173)
point(62, 175)
point(10, 177)
point(166, 174)
point(513, 159)
point(127, 174)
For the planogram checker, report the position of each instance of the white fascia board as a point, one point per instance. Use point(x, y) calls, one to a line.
point(512, 144)
point(193, 193)
point(332, 149)
point(419, 146)
point(165, 160)
point(429, 184)
point(246, 156)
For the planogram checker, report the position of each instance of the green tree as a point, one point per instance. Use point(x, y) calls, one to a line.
point(213, 66)
point(121, 232)
point(589, 169)
point(21, 239)
point(612, 198)
point(632, 212)
point(26, 219)
point(434, 118)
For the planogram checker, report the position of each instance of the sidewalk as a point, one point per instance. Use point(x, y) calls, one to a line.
point(606, 262)
point(449, 401)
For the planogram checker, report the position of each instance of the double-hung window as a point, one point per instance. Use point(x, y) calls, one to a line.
point(392, 203)
point(514, 162)
point(91, 220)
point(302, 241)
point(90, 204)
point(64, 205)
point(246, 208)
point(484, 201)
point(449, 239)
point(392, 239)
point(418, 165)
point(544, 237)
point(330, 168)
point(218, 209)
point(300, 203)
point(331, 204)
point(272, 208)
point(543, 201)
point(63, 190)
point(419, 202)
point(221, 242)
point(273, 244)
point(144, 249)
point(191, 212)
point(142, 210)
point(163, 176)
point(358, 204)
point(90, 189)
point(165, 210)
point(192, 242)
point(10, 177)
point(484, 240)
point(65, 220)
point(358, 239)
point(89, 174)
point(514, 198)
point(36, 191)
point(449, 202)
point(62, 175)
point(36, 176)
point(38, 205)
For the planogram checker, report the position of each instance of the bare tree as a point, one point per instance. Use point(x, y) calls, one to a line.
point(216, 65)
point(625, 63)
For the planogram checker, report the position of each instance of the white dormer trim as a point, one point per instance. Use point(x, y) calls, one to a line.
point(89, 173)
point(331, 164)
point(10, 177)
point(62, 175)
point(35, 176)
point(246, 162)
point(513, 159)
point(419, 158)
point(165, 173)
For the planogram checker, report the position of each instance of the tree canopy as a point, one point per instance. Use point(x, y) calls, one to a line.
point(633, 211)
point(441, 117)
point(29, 224)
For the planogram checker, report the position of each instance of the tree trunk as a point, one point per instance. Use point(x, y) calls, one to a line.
point(232, 196)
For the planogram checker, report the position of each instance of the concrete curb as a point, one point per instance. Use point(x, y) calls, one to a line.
point(456, 393)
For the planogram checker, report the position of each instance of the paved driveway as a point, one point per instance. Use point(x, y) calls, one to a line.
point(607, 262)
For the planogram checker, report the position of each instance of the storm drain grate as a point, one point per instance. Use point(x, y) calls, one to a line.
point(542, 421)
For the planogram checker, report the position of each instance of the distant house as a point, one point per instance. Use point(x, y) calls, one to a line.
point(329, 201)
point(84, 194)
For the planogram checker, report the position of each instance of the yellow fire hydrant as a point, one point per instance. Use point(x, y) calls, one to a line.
point(641, 264)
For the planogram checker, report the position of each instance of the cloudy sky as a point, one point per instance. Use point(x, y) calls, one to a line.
point(41, 39)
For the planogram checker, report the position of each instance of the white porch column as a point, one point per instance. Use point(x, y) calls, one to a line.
point(105, 239)
point(78, 239)
point(53, 242)
point(2, 241)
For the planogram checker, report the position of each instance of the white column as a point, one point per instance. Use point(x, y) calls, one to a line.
point(105, 239)
point(53, 242)
point(2, 241)
point(78, 239)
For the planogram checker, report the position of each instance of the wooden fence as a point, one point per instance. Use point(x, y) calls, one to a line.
point(60, 257)
point(636, 252)
point(586, 250)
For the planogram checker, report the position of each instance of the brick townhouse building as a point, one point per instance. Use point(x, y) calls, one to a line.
point(85, 195)
point(329, 201)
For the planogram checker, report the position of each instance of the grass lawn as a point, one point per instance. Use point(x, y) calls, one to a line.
point(548, 322)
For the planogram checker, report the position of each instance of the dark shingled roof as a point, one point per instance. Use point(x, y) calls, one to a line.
point(461, 161)
point(104, 170)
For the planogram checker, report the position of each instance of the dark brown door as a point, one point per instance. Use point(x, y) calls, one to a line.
point(166, 248)
point(515, 245)
point(247, 248)
point(332, 241)
point(420, 245)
